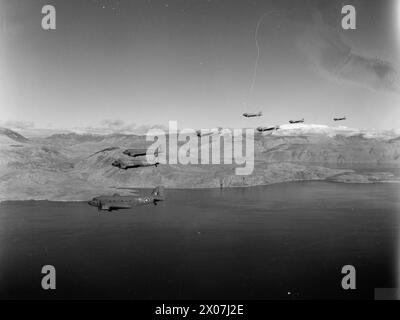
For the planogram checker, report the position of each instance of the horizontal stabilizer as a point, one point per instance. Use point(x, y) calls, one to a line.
point(158, 192)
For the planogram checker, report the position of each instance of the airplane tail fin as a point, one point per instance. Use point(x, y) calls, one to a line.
point(158, 193)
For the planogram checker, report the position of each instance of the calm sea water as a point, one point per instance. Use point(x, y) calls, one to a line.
point(285, 241)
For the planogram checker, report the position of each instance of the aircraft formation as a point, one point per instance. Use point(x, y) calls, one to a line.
point(138, 159)
point(274, 128)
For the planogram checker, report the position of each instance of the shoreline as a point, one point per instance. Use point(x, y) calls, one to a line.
point(144, 189)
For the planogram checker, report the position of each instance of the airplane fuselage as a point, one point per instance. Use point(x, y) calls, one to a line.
point(135, 152)
point(205, 132)
point(140, 152)
point(120, 202)
point(117, 202)
point(296, 121)
point(133, 164)
point(251, 115)
point(263, 129)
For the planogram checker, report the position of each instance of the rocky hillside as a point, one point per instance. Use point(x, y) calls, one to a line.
point(9, 136)
point(339, 149)
point(73, 166)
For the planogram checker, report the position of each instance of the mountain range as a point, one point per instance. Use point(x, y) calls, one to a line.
point(77, 166)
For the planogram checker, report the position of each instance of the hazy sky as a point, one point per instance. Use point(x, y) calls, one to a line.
point(150, 61)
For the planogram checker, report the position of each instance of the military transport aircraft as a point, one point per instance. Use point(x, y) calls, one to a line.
point(296, 121)
point(122, 164)
point(339, 119)
point(140, 152)
point(251, 115)
point(116, 202)
point(263, 129)
point(208, 132)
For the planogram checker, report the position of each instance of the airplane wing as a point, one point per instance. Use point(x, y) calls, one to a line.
point(104, 150)
point(137, 152)
point(114, 206)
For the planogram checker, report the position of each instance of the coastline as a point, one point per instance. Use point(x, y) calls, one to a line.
point(345, 177)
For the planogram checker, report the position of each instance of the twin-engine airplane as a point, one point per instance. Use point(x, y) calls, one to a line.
point(251, 115)
point(135, 163)
point(117, 202)
point(339, 119)
point(206, 133)
point(263, 129)
point(296, 121)
point(140, 152)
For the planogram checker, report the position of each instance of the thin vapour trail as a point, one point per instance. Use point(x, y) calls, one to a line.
point(254, 78)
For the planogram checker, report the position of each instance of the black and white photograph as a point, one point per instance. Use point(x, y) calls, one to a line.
point(199, 150)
